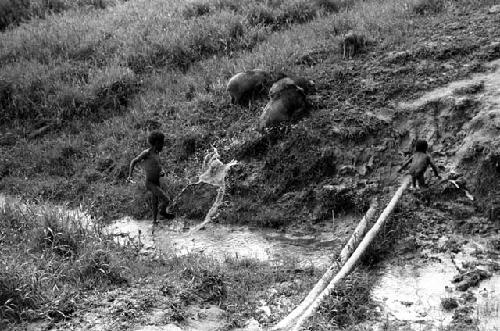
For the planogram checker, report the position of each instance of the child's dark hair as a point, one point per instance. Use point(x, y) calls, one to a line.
point(156, 137)
point(421, 146)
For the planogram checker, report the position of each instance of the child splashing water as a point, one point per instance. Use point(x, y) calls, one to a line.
point(150, 158)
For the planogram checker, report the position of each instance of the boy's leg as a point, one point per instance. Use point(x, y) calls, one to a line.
point(421, 181)
point(413, 181)
point(160, 195)
point(155, 209)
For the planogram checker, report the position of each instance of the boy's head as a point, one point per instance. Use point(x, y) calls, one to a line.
point(421, 146)
point(156, 139)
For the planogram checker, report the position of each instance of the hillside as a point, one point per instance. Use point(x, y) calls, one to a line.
point(80, 91)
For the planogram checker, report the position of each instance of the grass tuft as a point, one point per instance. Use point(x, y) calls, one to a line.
point(349, 303)
point(15, 12)
point(20, 293)
point(428, 7)
point(330, 6)
point(99, 268)
point(47, 256)
point(196, 9)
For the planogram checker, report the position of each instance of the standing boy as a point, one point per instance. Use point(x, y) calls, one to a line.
point(420, 161)
point(151, 160)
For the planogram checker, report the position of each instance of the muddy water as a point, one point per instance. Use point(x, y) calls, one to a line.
point(221, 242)
point(410, 294)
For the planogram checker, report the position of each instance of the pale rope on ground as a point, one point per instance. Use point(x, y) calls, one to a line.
point(214, 173)
point(358, 233)
point(328, 275)
point(351, 262)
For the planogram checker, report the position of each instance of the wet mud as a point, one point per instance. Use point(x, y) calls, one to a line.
point(311, 247)
point(415, 292)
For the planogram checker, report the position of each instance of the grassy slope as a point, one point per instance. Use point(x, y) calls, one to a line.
point(72, 70)
point(83, 161)
point(15, 12)
point(80, 70)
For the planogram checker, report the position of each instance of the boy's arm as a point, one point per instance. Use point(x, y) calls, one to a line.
point(434, 168)
point(138, 159)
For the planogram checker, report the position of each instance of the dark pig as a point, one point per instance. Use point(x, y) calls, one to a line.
point(245, 86)
point(286, 106)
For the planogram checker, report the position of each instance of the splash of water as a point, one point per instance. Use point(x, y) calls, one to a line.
point(214, 172)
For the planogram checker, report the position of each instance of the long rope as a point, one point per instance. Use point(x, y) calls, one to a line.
point(328, 275)
point(358, 233)
point(350, 263)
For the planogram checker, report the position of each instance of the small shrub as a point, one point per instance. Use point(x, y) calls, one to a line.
point(6, 91)
point(188, 144)
point(208, 285)
point(234, 5)
point(62, 308)
point(13, 12)
point(110, 99)
point(180, 57)
point(274, 3)
point(211, 288)
point(350, 302)
point(58, 237)
point(352, 44)
point(97, 4)
point(20, 293)
point(297, 13)
point(424, 7)
point(260, 15)
point(98, 268)
point(449, 303)
point(196, 9)
point(329, 6)
point(236, 31)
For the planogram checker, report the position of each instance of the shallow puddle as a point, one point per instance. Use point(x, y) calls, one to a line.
point(220, 242)
point(411, 293)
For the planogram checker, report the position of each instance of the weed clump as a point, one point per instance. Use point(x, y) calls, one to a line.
point(47, 258)
point(352, 44)
point(449, 303)
point(261, 15)
point(196, 9)
point(58, 238)
point(297, 12)
point(330, 6)
point(349, 303)
point(15, 12)
point(426, 7)
point(20, 293)
point(98, 268)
